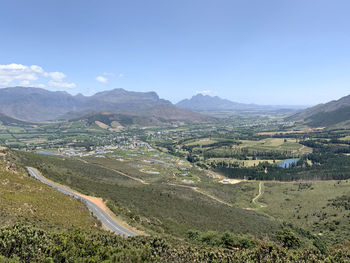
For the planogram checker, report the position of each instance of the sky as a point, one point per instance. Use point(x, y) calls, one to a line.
point(250, 51)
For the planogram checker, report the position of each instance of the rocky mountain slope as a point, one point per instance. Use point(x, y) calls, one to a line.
point(160, 115)
point(35, 104)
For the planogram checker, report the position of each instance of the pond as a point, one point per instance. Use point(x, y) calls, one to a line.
point(287, 163)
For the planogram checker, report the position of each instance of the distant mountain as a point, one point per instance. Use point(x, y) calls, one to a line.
point(321, 108)
point(160, 115)
point(37, 104)
point(201, 102)
point(122, 100)
point(333, 113)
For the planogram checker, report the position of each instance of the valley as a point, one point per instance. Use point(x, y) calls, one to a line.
point(174, 131)
point(247, 175)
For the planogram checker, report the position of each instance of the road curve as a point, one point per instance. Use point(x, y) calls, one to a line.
point(105, 219)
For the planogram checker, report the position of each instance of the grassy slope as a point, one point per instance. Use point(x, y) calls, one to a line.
point(23, 198)
point(329, 118)
point(239, 195)
point(308, 205)
point(159, 207)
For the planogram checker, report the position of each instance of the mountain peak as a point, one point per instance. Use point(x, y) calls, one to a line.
point(203, 102)
point(37, 104)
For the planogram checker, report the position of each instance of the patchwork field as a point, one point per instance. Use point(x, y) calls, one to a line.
point(276, 144)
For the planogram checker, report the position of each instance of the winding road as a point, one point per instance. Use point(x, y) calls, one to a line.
point(105, 219)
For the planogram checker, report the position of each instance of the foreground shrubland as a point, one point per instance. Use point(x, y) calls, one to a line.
point(25, 243)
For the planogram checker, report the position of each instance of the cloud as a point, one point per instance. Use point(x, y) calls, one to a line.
point(102, 79)
point(57, 76)
point(204, 92)
point(111, 74)
point(61, 84)
point(32, 76)
point(17, 73)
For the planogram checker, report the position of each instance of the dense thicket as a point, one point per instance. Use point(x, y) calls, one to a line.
point(24, 243)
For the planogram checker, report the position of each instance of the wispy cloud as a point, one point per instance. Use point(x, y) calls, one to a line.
point(61, 84)
point(104, 77)
point(204, 92)
point(32, 76)
point(110, 74)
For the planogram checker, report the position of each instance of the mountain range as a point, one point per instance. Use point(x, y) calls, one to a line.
point(208, 103)
point(18, 104)
point(159, 115)
point(36, 104)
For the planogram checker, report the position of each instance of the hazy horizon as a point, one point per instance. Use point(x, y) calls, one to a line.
point(89, 95)
point(267, 53)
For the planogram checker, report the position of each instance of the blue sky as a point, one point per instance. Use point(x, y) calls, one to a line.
point(266, 52)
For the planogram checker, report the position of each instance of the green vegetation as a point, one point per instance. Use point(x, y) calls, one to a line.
point(24, 243)
point(53, 135)
point(323, 119)
point(158, 207)
point(319, 207)
point(325, 167)
point(173, 183)
point(23, 198)
point(275, 144)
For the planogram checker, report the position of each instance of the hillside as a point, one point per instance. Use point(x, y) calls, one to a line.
point(329, 114)
point(161, 115)
point(6, 120)
point(202, 102)
point(154, 205)
point(184, 225)
point(35, 104)
point(338, 117)
point(25, 199)
point(25, 243)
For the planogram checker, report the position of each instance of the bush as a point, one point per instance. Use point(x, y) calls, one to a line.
point(288, 238)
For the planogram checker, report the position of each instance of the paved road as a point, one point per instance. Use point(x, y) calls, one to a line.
point(97, 211)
